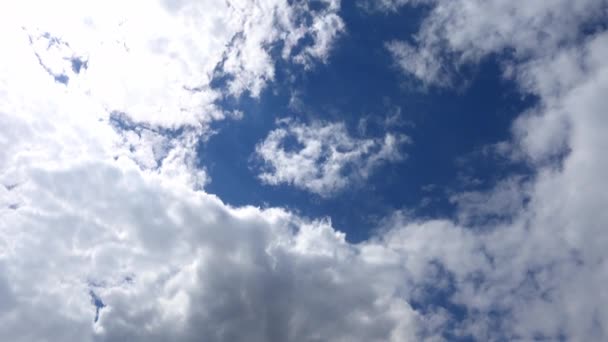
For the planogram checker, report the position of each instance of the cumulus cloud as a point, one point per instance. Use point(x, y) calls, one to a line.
point(542, 246)
point(105, 236)
point(389, 6)
point(323, 158)
point(171, 263)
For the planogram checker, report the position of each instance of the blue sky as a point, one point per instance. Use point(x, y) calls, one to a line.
point(315, 170)
point(449, 128)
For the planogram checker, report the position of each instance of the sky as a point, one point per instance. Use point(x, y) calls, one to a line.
point(314, 170)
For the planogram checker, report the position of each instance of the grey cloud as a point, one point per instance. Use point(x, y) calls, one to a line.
point(199, 269)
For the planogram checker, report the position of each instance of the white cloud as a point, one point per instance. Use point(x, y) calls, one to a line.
point(422, 63)
point(171, 263)
point(87, 207)
point(487, 209)
point(158, 67)
point(464, 32)
point(324, 31)
point(325, 158)
point(545, 259)
point(97, 204)
point(389, 6)
point(154, 69)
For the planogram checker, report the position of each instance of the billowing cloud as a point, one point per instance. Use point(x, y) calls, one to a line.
point(323, 158)
point(171, 263)
point(106, 234)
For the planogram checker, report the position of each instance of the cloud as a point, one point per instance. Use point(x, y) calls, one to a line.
point(323, 158)
point(389, 6)
point(507, 199)
point(159, 68)
point(324, 30)
point(544, 260)
point(101, 215)
point(149, 77)
point(106, 233)
point(169, 262)
point(422, 64)
point(458, 33)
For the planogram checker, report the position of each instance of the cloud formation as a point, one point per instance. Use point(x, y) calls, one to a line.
point(158, 67)
point(323, 158)
point(544, 255)
point(458, 33)
point(98, 207)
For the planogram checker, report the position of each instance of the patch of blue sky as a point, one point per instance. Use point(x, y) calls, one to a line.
point(122, 122)
point(78, 64)
point(97, 303)
point(359, 83)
